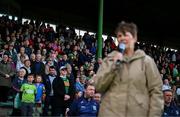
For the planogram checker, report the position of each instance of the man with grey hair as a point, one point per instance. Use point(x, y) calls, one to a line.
point(27, 67)
point(38, 66)
point(16, 85)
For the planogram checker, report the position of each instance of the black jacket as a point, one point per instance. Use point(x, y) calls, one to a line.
point(40, 71)
point(59, 92)
point(47, 84)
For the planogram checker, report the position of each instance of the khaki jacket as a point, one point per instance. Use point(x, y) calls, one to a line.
point(131, 89)
point(5, 68)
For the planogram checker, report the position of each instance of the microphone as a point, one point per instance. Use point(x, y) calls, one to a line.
point(121, 49)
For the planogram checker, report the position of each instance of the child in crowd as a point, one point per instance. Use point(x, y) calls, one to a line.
point(97, 97)
point(28, 96)
point(40, 96)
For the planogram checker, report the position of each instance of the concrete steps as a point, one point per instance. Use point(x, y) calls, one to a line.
point(6, 109)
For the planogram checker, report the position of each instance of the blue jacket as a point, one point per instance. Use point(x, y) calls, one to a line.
point(40, 90)
point(171, 111)
point(83, 107)
point(79, 87)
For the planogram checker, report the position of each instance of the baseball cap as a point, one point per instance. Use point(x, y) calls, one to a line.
point(63, 67)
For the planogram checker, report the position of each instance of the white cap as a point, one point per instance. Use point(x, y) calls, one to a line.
point(63, 67)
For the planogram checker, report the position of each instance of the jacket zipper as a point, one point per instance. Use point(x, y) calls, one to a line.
point(126, 107)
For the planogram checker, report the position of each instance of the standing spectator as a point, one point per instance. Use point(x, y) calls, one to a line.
point(38, 66)
point(63, 92)
point(85, 106)
point(12, 52)
point(173, 58)
point(16, 85)
point(87, 39)
point(178, 57)
point(44, 52)
point(97, 97)
point(27, 67)
point(32, 58)
point(67, 50)
point(48, 64)
point(177, 90)
point(53, 57)
point(12, 63)
point(84, 56)
point(97, 64)
point(40, 96)
point(20, 62)
point(70, 73)
point(170, 108)
point(28, 96)
point(28, 50)
point(6, 73)
point(175, 72)
point(166, 85)
point(93, 49)
point(81, 71)
point(1, 41)
point(64, 61)
point(48, 82)
point(22, 53)
point(79, 87)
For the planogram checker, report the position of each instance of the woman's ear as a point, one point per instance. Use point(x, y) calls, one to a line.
point(135, 38)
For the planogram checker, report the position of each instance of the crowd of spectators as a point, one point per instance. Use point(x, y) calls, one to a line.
point(33, 49)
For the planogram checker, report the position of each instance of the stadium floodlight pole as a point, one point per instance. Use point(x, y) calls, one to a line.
point(100, 29)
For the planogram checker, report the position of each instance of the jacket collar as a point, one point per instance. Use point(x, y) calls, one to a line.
point(137, 55)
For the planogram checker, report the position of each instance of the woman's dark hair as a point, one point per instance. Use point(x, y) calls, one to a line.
point(127, 27)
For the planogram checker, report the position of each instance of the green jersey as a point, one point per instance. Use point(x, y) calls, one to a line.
point(66, 84)
point(28, 93)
